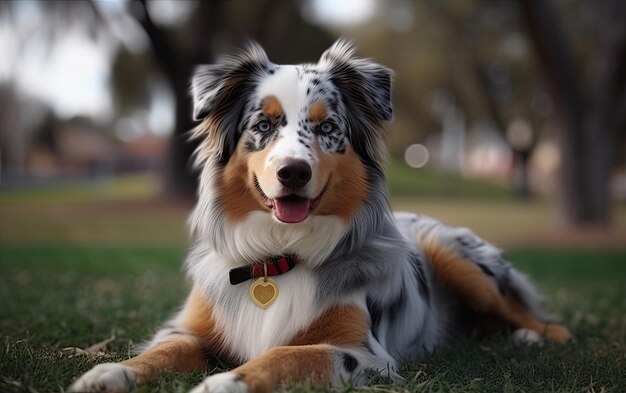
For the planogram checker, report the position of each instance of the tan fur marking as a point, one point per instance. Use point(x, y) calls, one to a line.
point(341, 325)
point(461, 277)
point(199, 320)
point(181, 353)
point(236, 192)
point(318, 111)
point(272, 107)
point(348, 185)
point(287, 364)
point(470, 284)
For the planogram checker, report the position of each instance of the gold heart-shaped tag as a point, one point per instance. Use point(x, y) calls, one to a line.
point(264, 292)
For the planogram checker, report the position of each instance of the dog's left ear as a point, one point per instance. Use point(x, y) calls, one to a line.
point(367, 84)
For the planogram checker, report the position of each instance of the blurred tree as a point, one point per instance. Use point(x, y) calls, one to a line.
point(478, 54)
point(592, 118)
point(22, 116)
point(176, 59)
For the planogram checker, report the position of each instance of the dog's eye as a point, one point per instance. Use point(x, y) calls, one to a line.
point(263, 126)
point(326, 127)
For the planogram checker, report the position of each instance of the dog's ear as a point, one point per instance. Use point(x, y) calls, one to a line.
point(366, 89)
point(216, 85)
point(220, 92)
point(365, 83)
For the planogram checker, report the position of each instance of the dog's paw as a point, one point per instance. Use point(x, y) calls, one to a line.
point(526, 336)
point(557, 334)
point(227, 382)
point(106, 377)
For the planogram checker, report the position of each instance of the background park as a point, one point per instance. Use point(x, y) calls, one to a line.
point(510, 119)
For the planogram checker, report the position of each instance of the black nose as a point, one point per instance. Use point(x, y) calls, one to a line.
point(294, 173)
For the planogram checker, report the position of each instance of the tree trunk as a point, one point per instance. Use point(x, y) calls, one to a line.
point(180, 178)
point(177, 63)
point(607, 107)
point(11, 135)
point(587, 141)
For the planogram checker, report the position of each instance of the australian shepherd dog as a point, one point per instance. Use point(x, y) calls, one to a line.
point(300, 271)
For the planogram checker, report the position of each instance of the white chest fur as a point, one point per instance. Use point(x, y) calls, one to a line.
point(249, 330)
point(252, 330)
point(260, 235)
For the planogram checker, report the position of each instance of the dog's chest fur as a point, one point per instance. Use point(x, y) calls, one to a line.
point(249, 330)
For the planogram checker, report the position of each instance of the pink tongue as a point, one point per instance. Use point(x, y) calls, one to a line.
point(291, 209)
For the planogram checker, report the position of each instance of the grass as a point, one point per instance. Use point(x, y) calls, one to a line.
point(107, 189)
point(426, 182)
point(81, 264)
point(55, 297)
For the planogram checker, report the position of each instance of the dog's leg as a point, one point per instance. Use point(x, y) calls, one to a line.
point(333, 349)
point(178, 353)
point(179, 346)
point(475, 272)
point(322, 364)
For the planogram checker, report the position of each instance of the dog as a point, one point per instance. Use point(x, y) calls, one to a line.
point(300, 270)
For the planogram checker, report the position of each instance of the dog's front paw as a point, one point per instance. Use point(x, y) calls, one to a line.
point(526, 337)
point(106, 377)
point(228, 382)
point(557, 333)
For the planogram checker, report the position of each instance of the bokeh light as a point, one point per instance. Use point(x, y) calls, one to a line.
point(416, 155)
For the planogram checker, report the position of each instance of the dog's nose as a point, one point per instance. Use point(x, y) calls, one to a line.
point(294, 173)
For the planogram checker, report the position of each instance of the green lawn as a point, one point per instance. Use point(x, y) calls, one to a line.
point(80, 265)
point(427, 182)
point(54, 297)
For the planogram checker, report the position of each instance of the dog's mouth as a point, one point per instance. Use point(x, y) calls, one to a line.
point(291, 208)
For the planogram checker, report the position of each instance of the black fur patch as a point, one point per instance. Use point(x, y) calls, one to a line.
point(486, 270)
point(395, 307)
point(470, 242)
point(375, 314)
point(424, 289)
point(349, 362)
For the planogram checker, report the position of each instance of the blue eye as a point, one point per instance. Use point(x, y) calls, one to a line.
point(263, 126)
point(326, 127)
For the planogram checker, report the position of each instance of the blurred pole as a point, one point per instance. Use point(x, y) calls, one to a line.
point(453, 139)
point(11, 135)
point(521, 178)
point(520, 137)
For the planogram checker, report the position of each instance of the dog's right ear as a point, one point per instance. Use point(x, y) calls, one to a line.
point(215, 87)
point(220, 92)
point(205, 84)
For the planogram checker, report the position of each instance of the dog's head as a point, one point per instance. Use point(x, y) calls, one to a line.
point(293, 141)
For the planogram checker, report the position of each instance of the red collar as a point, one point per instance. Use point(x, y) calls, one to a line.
point(275, 266)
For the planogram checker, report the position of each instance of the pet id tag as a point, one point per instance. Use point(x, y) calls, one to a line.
point(264, 291)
